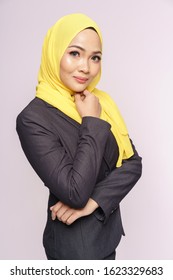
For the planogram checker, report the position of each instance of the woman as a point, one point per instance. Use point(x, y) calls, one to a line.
point(75, 139)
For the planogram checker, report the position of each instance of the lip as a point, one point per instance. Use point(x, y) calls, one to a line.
point(80, 80)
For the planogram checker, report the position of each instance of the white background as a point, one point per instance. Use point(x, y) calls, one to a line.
point(137, 73)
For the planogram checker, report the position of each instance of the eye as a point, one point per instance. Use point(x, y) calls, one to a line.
point(74, 53)
point(96, 58)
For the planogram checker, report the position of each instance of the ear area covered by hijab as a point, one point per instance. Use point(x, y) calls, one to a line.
point(53, 91)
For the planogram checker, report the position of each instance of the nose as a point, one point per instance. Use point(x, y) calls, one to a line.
point(84, 66)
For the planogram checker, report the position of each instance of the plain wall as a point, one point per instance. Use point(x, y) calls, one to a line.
point(137, 73)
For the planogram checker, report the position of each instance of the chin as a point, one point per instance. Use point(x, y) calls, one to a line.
point(78, 89)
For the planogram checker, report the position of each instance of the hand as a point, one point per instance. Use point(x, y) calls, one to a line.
point(87, 104)
point(69, 215)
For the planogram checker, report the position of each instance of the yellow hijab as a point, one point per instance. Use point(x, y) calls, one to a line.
point(53, 91)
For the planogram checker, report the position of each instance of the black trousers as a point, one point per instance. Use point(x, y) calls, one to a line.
point(110, 257)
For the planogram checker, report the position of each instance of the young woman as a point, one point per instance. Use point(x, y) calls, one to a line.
point(76, 140)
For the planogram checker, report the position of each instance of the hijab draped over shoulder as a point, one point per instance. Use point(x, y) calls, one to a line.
point(53, 91)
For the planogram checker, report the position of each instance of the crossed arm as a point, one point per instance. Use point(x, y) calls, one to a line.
point(107, 194)
point(74, 183)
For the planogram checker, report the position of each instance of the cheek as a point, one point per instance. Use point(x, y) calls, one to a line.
point(65, 69)
point(96, 69)
point(66, 64)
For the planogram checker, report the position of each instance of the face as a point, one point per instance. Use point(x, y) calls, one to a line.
point(81, 61)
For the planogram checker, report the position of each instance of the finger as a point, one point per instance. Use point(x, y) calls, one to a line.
point(54, 209)
point(53, 216)
point(61, 212)
point(75, 215)
point(77, 97)
point(56, 206)
point(86, 92)
point(82, 96)
point(67, 215)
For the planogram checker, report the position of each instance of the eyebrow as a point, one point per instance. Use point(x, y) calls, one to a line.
point(82, 49)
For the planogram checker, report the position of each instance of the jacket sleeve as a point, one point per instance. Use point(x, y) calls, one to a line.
point(70, 180)
point(109, 192)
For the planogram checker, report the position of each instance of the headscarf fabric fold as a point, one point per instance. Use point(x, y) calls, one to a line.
point(53, 91)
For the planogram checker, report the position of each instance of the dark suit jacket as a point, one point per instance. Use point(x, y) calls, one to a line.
point(77, 162)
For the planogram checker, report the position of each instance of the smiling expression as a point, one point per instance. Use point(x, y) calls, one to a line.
point(81, 61)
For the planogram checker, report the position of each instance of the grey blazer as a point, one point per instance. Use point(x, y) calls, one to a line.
point(76, 162)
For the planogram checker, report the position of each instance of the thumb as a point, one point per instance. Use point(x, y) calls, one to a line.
point(77, 97)
point(86, 92)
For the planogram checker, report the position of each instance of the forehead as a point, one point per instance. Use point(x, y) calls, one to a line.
point(87, 38)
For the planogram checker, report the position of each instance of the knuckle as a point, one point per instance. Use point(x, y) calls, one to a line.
point(63, 219)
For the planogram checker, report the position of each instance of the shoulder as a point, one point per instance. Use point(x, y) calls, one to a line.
point(36, 110)
point(35, 107)
point(35, 113)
